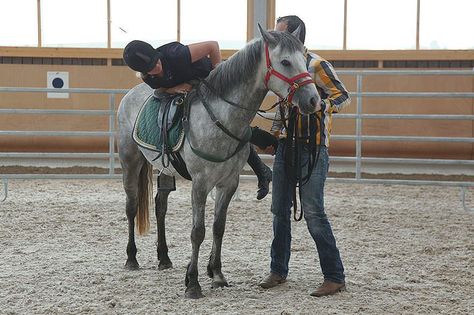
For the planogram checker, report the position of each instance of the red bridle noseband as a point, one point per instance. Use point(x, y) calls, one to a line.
point(294, 86)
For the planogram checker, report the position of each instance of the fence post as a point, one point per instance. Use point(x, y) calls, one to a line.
point(359, 128)
point(112, 134)
point(463, 199)
point(5, 188)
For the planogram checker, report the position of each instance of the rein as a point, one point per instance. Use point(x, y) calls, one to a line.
point(214, 91)
point(293, 150)
point(293, 83)
point(208, 157)
point(294, 143)
point(259, 111)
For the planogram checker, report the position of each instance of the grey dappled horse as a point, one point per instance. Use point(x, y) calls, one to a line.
point(274, 62)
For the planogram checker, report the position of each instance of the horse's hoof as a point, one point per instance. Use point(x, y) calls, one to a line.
point(132, 265)
point(219, 284)
point(193, 293)
point(165, 265)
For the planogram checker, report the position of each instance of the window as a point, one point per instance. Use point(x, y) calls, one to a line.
point(19, 23)
point(324, 20)
point(153, 21)
point(375, 24)
point(446, 24)
point(74, 23)
point(223, 21)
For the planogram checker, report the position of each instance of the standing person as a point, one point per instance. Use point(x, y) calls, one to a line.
point(170, 67)
point(334, 98)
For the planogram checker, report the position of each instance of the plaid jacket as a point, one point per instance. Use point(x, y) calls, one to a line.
point(333, 94)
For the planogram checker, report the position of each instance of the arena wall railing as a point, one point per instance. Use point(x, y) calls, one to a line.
point(359, 95)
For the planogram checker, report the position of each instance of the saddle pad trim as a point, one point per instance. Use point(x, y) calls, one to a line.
point(152, 147)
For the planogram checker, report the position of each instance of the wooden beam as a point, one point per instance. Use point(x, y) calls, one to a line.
point(60, 52)
point(109, 26)
point(328, 54)
point(417, 24)
point(226, 53)
point(178, 21)
point(38, 12)
point(250, 24)
point(270, 14)
point(396, 54)
point(344, 37)
point(51, 52)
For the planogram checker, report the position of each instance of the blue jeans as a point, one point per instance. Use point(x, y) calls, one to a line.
point(312, 203)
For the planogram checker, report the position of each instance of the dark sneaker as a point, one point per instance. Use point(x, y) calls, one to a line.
point(272, 280)
point(329, 288)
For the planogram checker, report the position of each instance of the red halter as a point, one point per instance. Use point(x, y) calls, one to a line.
point(294, 86)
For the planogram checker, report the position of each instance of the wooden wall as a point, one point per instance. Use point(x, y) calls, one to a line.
point(102, 68)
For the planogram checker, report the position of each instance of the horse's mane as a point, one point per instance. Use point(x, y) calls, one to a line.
point(241, 66)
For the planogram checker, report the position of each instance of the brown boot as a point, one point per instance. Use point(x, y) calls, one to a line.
point(329, 288)
point(272, 280)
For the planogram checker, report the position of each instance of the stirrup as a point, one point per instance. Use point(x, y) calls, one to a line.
point(166, 182)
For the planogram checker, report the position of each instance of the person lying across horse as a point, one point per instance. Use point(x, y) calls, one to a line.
point(172, 66)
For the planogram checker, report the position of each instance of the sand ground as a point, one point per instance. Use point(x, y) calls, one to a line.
point(406, 249)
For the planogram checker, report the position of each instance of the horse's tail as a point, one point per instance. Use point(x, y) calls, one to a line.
point(145, 192)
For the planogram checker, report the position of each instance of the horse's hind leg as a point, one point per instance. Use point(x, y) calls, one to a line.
point(136, 175)
point(161, 206)
point(223, 197)
point(130, 182)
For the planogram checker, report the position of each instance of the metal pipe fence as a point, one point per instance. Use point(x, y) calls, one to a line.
point(359, 116)
point(358, 137)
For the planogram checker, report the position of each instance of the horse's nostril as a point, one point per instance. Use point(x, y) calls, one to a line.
point(313, 101)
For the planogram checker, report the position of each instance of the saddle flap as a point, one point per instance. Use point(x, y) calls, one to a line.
point(168, 111)
point(156, 113)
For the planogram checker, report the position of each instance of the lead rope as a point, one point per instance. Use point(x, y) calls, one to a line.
point(292, 159)
point(293, 155)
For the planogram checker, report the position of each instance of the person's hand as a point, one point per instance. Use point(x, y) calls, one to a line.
point(182, 88)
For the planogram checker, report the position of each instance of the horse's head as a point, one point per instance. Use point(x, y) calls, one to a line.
point(286, 72)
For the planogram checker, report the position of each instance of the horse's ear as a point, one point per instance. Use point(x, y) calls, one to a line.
point(267, 37)
point(296, 33)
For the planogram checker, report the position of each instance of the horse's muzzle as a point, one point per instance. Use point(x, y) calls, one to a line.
point(311, 105)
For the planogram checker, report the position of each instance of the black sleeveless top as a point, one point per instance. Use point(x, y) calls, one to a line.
point(177, 67)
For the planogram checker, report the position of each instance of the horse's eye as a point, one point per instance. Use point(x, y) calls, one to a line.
point(285, 63)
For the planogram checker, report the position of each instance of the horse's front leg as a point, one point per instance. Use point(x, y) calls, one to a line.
point(223, 197)
point(198, 199)
point(161, 207)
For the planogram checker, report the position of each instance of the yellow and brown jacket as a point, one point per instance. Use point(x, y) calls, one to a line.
point(334, 97)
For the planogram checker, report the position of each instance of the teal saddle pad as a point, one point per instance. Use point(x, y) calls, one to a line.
point(147, 131)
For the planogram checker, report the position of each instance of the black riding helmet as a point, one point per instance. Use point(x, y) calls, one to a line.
point(141, 56)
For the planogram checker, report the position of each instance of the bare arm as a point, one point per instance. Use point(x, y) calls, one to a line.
point(203, 49)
